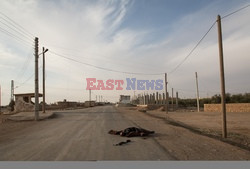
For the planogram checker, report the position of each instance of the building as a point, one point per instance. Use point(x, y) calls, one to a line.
point(66, 104)
point(89, 103)
point(125, 99)
point(23, 102)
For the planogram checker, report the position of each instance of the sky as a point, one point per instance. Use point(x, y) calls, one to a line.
point(145, 38)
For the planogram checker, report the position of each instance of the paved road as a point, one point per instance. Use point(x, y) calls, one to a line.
point(80, 135)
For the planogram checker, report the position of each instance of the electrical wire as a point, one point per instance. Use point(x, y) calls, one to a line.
point(16, 37)
point(24, 31)
point(25, 65)
point(204, 37)
point(15, 30)
point(102, 68)
point(235, 11)
point(105, 59)
point(199, 42)
point(21, 28)
point(23, 83)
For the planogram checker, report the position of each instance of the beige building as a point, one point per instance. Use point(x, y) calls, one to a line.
point(67, 104)
point(125, 99)
point(89, 103)
point(23, 102)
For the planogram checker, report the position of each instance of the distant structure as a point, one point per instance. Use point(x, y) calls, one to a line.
point(89, 103)
point(66, 104)
point(124, 99)
point(23, 102)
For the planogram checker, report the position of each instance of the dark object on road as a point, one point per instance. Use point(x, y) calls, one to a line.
point(132, 132)
point(121, 143)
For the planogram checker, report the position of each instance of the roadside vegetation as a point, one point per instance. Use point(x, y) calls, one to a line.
point(236, 98)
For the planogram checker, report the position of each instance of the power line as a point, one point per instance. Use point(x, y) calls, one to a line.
point(204, 37)
point(105, 59)
point(24, 66)
point(17, 31)
point(27, 79)
point(20, 31)
point(102, 68)
point(15, 36)
point(199, 42)
point(19, 26)
point(235, 11)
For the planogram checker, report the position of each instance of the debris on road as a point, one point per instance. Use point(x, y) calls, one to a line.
point(121, 143)
point(132, 132)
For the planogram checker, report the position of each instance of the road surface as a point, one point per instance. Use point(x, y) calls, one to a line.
point(82, 135)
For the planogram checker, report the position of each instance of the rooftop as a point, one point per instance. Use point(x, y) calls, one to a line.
point(28, 94)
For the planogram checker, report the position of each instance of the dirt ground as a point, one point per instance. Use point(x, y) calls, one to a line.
point(238, 124)
point(77, 130)
point(7, 126)
point(183, 141)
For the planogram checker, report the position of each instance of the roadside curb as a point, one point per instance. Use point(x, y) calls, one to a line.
point(19, 118)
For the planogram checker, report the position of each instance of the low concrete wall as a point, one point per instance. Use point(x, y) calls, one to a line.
point(231, 107)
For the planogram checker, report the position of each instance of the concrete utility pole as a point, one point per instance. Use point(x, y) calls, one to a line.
point(36, 81)
point(0, 99)
point(144, 100)
point(222, 78)
point(157, 98)
point(89, 95)
point(44, 51)
point(176, 100)
point(166, 93)
point(12, 90)
point(197, 92)
point(43, 80)
point(173, 99)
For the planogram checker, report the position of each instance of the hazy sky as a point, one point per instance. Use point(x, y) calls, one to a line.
point(140, 36)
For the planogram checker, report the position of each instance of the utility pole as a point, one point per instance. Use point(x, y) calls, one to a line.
point(12, 91)
point(197, 92)
point(176, 100)
point(36, 81)
point(166, 92)
point(173, 99)
point(0, 99)
point(43, 80)
point(89, 95)
point(222, 78)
